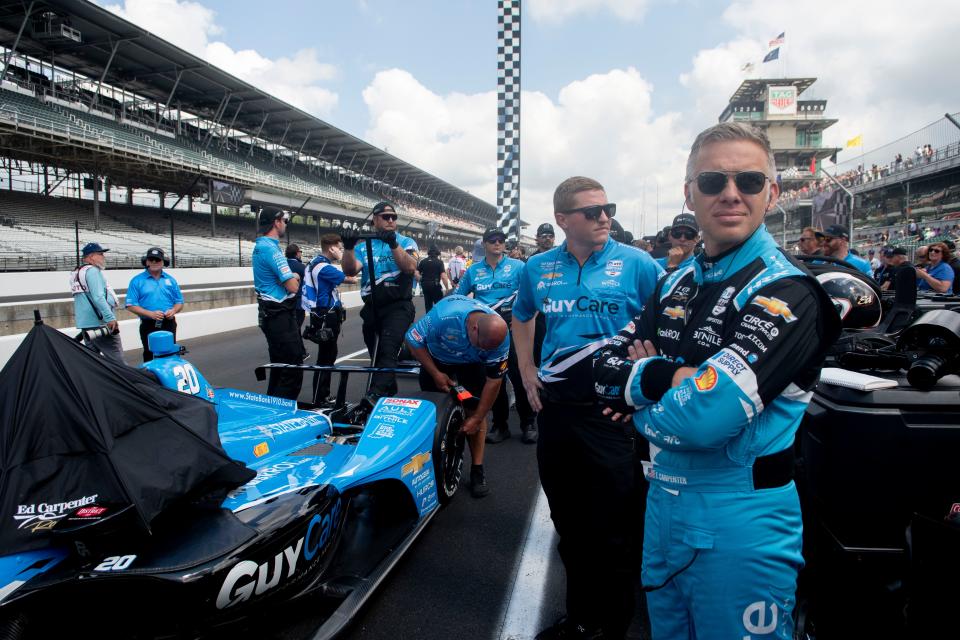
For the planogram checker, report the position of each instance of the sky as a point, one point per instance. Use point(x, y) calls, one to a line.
point(612, 89)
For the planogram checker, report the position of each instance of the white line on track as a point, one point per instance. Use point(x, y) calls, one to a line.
point(527, 597)
point(350, 356)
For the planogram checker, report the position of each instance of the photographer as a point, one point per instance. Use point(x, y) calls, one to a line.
point(321, 299)
point(277, 285)
point(95, 303)
point(155, 296)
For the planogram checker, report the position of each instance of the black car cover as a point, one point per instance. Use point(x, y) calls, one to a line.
point(82, 437)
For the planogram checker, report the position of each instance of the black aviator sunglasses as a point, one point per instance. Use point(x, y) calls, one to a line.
point(750, 183)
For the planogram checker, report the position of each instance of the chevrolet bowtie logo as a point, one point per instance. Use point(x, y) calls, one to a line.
point(416, 463)
point(674, 313)
point(775, 307)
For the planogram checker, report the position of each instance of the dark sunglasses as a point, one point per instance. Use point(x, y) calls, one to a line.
point(748, 183)
point(689, 235)
point(389, 217)
point(593, 212)
point(154, 260)
point(934, 250)
point(496, 240)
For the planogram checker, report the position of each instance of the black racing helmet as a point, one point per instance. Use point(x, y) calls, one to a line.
point(855, 299)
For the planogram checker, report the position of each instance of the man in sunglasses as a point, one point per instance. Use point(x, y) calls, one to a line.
point(717, 372)
point(155, 296)
point(587, 289)
point(811, 242)
point(494, 282)
point(545, 238)
point(836, 244)
point(277, 286)
point(684, 236)
point(388, 309)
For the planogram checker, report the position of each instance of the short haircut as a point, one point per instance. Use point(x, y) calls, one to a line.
point(811, 230)
point(328, 240)
point(292, 250)
point(563, 195)
point(729, 132)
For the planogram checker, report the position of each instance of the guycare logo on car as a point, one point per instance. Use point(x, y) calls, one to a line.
point(248, 578)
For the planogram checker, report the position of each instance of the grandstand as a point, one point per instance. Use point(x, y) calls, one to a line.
point(94, 109)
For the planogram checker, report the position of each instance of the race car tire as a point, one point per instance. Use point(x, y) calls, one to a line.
point(448, 444)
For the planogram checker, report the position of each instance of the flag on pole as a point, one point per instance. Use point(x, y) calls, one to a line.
point(779, 40)
point(855, 142)
point(773, 55)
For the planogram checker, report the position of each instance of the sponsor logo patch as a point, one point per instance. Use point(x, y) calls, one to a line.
point(706, 380)
point(416, 463)
point(614, 268)
point(402, 402)
point(775, 307)
point(675, 313)
point(261, 449)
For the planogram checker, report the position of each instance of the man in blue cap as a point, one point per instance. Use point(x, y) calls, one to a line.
point(277, 285)
point(95, 303)
point(154, 295)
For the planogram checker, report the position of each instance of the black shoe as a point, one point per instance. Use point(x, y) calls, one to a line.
point(497, 434)
point(478, 483)
point(564, 629)
point(530, 433)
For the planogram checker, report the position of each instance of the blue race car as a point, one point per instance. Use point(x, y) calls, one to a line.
point(331, 508)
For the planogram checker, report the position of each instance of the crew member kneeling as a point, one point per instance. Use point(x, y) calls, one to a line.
point(462, 341)
point(717, 371)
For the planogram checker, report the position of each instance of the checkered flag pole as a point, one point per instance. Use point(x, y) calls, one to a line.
point(508, 117)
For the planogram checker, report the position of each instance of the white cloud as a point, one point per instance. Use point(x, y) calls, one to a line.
point(602, 126)
point(191, 26)
point(884, 66)
point(559, 10)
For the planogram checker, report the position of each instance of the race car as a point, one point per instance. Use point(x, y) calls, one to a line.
point(120, 506)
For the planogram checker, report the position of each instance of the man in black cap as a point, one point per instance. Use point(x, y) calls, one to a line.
point(545, 238)
point(432, 273)
point(95, 303)
point(684, 236)
point(277, 286)
point(154, 295)
point(388, 307)
point(896, 258)
point(836, 244)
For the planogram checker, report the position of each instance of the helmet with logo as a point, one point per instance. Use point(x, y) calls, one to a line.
point(855, 298)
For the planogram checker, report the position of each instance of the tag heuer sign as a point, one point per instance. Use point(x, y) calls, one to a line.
point(782, 101)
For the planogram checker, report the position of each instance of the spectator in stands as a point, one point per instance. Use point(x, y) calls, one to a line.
point(295, 260)
point(920, 256)
point(811, 242)
point(387, 296)
point(896, 257)
point(155, 296)
point(545, 238)
point(95, 303)
point(684, 236)
point(457, 265)
point(321, 298)
point(836, 244)
point(954, 264)
point(432, 275)
point(277, 285)
point(937, 275)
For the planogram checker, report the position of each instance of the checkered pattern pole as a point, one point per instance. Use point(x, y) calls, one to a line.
point(508, 117)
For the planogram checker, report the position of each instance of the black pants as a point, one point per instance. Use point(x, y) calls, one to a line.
point(149, 326)
point(390, 322)
point(501, 406)
point(587, 469)
point(284, 345)
point(432, 294)
point(326, 352)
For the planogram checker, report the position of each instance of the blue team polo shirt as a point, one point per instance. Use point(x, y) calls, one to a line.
point(154, 294)
point(443, 332)
point(383, 262)
point(270, 270)
point(495, 286)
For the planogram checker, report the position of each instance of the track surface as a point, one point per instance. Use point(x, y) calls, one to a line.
point(458, 578)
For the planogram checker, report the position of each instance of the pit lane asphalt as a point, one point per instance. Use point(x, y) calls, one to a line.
point(457, 578)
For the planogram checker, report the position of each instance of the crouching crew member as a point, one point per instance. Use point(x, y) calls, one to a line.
point(494, 282)
point(462, 341)
point(277, 285)
point(587, 289)
point(321, 299)
point(717, 372)
point(155, 296)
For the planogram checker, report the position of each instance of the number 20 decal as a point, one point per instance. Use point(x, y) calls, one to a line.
point(115, 563)
point(187, 381)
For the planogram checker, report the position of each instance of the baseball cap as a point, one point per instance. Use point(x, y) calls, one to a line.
point(92, 247)
point(897, 251)
point(155, 253)
point(837, 231)
point(686, 220)
point(871, 251)
point(494, 232)
point(546, 229)
point(267, 217)
point(380, 207)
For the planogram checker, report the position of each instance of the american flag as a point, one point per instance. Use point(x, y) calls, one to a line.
point(776, 42)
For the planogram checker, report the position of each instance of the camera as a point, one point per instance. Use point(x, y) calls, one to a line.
point(100, 332)
point(932, 345)
point(317, 334)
